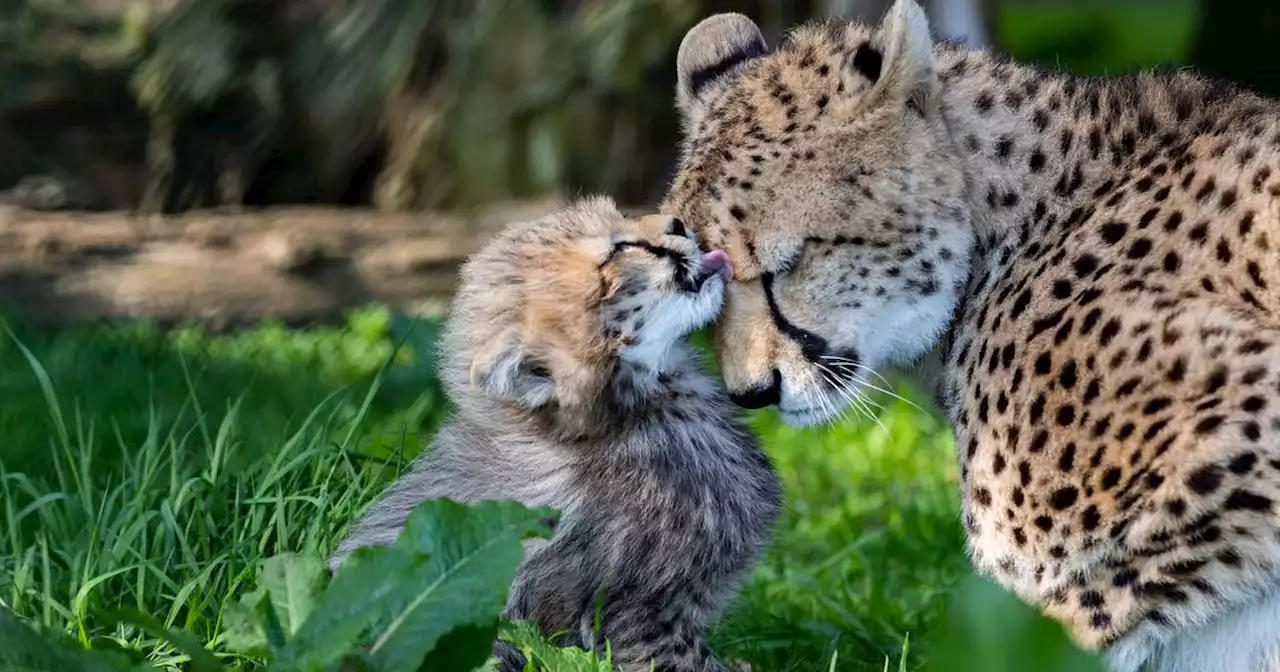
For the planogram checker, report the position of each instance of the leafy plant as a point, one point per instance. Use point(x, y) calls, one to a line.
point(543, 655)
point(432, 600)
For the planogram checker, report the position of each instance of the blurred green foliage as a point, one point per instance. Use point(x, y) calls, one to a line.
point(412, 103)
point(405, 103)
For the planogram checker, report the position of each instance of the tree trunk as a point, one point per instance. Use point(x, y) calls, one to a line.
point(293, 264)
point(1237, 42)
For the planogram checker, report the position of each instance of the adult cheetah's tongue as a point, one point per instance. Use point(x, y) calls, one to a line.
point(716, 261)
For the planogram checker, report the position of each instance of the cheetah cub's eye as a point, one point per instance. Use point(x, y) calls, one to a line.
point(677, 228)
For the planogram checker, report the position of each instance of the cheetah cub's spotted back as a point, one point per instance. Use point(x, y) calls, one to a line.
point(1088, 270)
point(574, 386)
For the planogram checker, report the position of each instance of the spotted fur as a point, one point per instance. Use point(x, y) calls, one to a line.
point(574, 388)
point(1082, 269)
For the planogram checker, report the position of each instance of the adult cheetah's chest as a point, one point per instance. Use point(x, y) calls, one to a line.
point(1082, 352)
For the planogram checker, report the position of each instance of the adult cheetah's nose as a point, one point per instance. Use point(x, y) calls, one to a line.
point(760, 394)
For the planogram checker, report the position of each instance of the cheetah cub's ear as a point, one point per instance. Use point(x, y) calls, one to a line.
point(709, 55)
point(504, 369)
point(899, 60)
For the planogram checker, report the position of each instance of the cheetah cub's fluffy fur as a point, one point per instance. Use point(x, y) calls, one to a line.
point(575, 388)
point(1086, 269)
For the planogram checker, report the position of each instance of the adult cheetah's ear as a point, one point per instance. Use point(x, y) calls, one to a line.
point(907, 71)
point(710, 54)
point(504, 369)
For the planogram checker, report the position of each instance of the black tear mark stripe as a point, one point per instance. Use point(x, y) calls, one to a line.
point(655, 250)
point(699, 79)
point(684, 275)
point(812, 346)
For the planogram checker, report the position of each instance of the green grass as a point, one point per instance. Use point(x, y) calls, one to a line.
point(153, 470)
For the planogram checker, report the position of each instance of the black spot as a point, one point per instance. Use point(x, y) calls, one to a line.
point(1205, 480)
point(1066, 415)
point(1217, 378)
point(1109, 331)
point(1184, 567)
point(737, 213)
point(984, 102)
point(1243, 463)
point(1067, 375)
point(1020, 304)
point(1224, 250)
point(1113, 232)
point(1139, 248)
point(1156, 405)
point(983, 496)
point(1063, 498)
point(1246, 223)
point(1125, 577)
point(1084, 265)
point(1038, 441)
point(1091, 519)
point(1209, 425)
point(1004, 147)
point(1253, 347)
point(1044, 364)
point(868, 61)
point(1251, 501)
point(1199, 232)
point(1092, 391)
point(1037, 161)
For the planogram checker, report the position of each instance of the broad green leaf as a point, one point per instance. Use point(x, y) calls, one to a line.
point(993, 631)
point(242, 631)
point(293, 584)
point(22, 649)
point(263, 620)
point(462, 649)
point(451, 567)
point(473, 553)
point(372, 583)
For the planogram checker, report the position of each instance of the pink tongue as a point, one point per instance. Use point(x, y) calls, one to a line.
point(718, 262)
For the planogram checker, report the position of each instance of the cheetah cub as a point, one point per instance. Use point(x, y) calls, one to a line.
point(574, 386)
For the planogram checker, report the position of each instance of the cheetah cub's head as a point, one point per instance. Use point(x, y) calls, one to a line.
point(578, 313)
point(826, 171)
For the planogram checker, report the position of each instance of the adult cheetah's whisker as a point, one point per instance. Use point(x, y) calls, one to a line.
point(853, 398)
point(828, 407)
point(858, 366)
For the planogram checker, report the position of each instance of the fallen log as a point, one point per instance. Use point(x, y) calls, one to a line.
point(294, 264)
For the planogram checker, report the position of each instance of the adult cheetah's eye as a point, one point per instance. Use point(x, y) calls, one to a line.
point(677, 228)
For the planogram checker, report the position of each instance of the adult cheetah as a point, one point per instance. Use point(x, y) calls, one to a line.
point(1082, 270)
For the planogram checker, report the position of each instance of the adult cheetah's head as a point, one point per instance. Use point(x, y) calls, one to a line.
point(826, 171)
